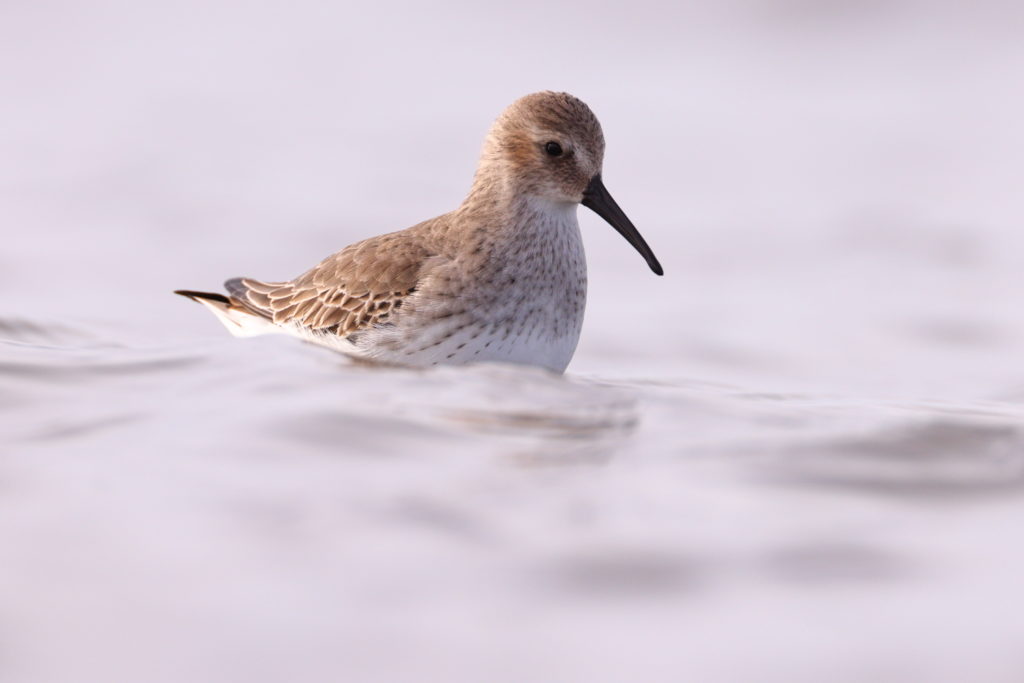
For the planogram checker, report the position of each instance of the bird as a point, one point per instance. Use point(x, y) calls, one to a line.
point(502, 278)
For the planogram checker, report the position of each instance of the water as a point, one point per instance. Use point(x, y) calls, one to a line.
point(799, 456)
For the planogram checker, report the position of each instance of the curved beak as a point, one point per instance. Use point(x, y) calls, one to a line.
point(597, 199)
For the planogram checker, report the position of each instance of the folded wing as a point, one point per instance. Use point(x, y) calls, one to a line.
point(360, 286)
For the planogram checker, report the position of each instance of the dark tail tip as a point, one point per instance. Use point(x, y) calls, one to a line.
point(195, 296)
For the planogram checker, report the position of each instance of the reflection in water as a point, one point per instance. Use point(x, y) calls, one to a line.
point(569, 422)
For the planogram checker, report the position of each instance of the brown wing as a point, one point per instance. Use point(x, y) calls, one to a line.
point(361, 285)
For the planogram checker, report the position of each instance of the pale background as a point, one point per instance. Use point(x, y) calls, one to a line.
point(799, 456)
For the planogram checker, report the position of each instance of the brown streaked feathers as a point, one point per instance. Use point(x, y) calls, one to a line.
point(360, 286)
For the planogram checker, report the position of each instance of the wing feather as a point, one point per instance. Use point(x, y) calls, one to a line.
point(357, 287)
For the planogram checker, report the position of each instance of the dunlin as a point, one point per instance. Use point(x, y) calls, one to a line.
point(501, 278)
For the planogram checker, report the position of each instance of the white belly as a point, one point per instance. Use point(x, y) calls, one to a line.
point(526, 346)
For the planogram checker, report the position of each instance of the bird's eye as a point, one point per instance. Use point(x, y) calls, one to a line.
point(553, 149)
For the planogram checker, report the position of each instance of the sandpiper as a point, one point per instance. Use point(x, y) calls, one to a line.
point(501, 278)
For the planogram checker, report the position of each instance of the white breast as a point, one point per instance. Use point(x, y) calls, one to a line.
point(524, 305)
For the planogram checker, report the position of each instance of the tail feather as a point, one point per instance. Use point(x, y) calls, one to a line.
point(239, 319)
point(197, 296)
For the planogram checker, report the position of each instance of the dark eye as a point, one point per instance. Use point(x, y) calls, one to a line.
point(553, 149)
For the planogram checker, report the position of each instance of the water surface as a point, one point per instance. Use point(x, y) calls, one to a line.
point(799, 456)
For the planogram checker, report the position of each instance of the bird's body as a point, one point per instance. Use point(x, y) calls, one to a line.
point(502, 278)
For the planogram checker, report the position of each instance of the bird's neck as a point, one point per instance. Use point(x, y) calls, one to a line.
point(499, 198)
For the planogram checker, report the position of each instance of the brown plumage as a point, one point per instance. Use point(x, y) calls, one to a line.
point(500, 278)
point(358, 287)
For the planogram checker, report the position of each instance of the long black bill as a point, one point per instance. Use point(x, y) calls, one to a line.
point(597, 199)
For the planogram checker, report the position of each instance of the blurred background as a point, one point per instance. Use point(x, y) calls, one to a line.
point(799, 456)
